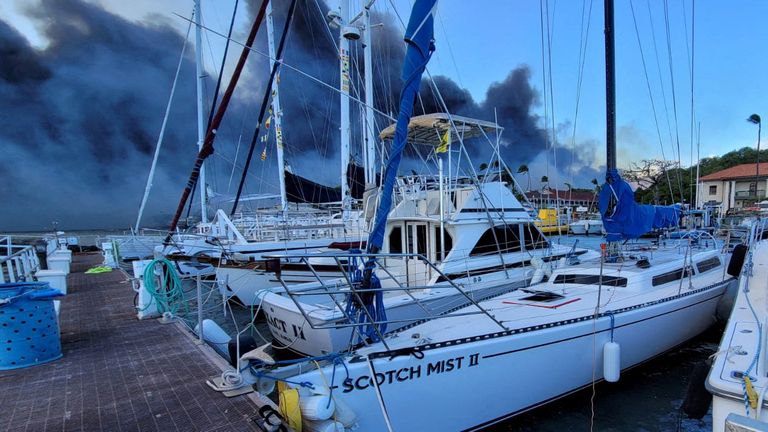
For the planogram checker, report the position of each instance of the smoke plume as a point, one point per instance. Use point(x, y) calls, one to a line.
point(81, 116)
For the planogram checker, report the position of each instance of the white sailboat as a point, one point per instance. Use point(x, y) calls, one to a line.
point(496, 358)
point(479, 237)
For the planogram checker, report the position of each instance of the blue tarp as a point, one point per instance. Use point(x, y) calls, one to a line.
point(623, 218)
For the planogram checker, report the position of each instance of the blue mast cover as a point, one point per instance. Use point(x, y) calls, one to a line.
point(623, 218)
point(420, 45)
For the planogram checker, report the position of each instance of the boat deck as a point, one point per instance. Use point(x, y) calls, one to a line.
point(118, 373)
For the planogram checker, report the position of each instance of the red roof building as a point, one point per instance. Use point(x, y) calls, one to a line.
point(735, 187)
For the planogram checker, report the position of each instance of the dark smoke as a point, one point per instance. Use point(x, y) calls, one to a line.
point(81, 116)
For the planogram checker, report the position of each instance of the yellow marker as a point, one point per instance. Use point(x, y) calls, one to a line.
point(751, 393)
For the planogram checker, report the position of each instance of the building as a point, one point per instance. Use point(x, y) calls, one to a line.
point(735, 187)
point(549, 197)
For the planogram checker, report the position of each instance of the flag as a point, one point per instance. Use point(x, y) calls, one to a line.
point(264, 154)
point(445, 141)
point(269, 120)
point(264, 138)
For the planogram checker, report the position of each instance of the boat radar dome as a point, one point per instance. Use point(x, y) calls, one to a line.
point(351, 33)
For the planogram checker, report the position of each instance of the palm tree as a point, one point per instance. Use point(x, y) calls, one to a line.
point(483, 166)
point(597, 185)
point(545, 182)
point(523, 169)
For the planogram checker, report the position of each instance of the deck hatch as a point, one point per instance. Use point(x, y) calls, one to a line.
point(543, 296)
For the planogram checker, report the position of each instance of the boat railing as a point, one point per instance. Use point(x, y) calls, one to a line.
point(336, 295)
point(18, 262)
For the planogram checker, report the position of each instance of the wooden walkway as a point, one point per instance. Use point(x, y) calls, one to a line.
point(118, 373)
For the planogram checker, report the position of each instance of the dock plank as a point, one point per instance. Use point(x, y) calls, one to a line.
point(117, 373)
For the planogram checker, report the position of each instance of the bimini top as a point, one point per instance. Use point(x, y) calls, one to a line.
point(429, 129)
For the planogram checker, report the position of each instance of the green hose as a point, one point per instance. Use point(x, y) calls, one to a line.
point(170, 298)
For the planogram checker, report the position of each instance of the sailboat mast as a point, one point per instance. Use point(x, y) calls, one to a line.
point(200, 113)
point(344, 87)
point(610, 88)
point(277, 114)
point(370, 130)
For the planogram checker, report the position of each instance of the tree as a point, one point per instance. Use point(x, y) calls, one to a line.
point(544, 182)
point(523, 169)
point(483, 166)
point(597, 185)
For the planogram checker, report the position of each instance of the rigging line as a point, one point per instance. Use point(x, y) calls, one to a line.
point(265, 101)
point(583, 43)
point(327, 27)
point(550, 36)
point(544, 85)
point(650, 92)
point(162, 131)
point(578, 89)
point(212, 110)
point(450, 49)
point(283, 64)
point(674, 97)
point(691, 68)
point(661, 80)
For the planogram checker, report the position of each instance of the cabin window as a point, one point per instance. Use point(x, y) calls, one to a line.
point(713, 190)
point(671, 276)
point(708, 264)
point(421, 239)
point(533, 238)
point(396, 240)
point(448, 243)
point(507, 236)
point(588, 279)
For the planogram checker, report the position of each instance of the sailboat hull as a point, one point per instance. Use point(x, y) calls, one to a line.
point(478, 381)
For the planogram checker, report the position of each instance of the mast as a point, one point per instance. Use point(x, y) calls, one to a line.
point(370, 132)
point(277, 114)
point(344, 87)
point(610, 89)
point(200, 108)
point(210, 135)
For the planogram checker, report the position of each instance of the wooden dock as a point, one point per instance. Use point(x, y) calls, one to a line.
point(118, 373)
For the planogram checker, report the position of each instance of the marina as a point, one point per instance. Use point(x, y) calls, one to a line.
point(389, 250)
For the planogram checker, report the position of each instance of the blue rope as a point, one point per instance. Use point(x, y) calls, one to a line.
point(367, 314)
point(613, 322)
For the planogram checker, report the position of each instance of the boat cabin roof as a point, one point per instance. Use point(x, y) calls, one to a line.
point(429, 129)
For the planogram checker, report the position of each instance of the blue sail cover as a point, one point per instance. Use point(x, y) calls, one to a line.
point(623, 218)
point(420, 45)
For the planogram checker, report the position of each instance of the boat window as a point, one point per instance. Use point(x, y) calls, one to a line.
point(533, 238)
point(671, 276)
point(396, 240)
point(421, 239)
point(448, 243)
point(708, 264)
point(508, 241)
point(590, 279)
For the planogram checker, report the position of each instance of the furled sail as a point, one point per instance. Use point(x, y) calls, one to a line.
point(623, 218)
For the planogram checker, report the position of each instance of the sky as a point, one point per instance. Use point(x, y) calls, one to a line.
point(477, 47)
